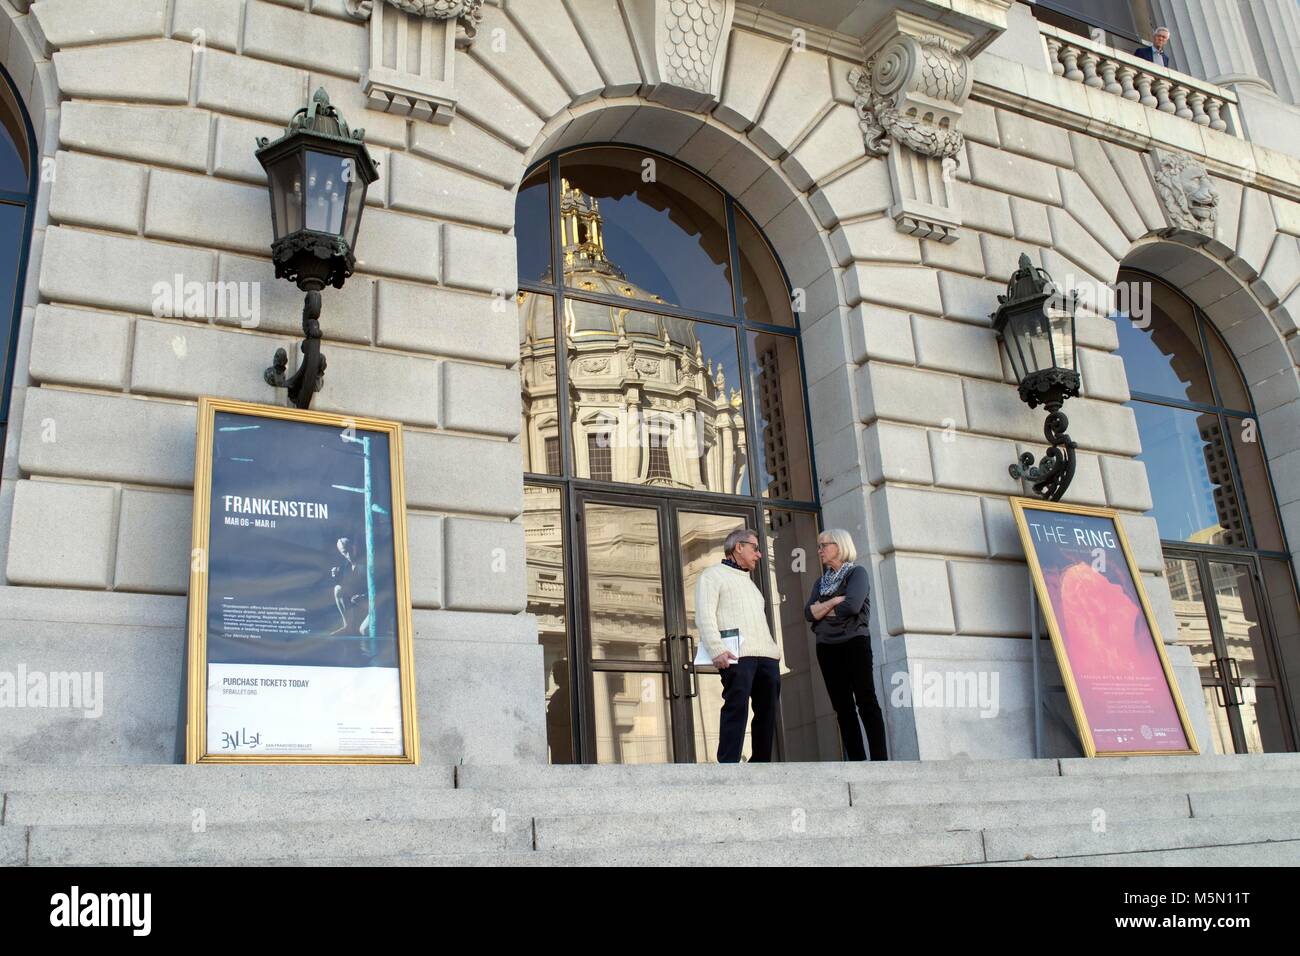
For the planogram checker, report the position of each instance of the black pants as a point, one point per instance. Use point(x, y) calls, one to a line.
point(756, 679)
point(846, 668)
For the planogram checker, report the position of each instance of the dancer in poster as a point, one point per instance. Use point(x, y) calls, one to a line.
point(350, 591)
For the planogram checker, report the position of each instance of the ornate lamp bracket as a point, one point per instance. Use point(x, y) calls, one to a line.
point(310, 377)
point(1054, 472)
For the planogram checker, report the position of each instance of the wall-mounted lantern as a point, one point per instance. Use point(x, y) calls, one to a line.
point(318, 173)
point(1035, 321)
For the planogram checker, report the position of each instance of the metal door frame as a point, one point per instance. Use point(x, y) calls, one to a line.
point(679, 680)
point(1227, 681)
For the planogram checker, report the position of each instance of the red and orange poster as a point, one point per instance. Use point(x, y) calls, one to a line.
point(1122, 690)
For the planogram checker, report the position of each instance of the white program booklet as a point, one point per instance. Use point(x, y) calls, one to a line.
point(731, 639)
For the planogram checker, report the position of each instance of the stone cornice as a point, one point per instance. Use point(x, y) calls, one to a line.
point(977, 22)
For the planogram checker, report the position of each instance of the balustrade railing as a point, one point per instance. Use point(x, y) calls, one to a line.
point(1123, 74)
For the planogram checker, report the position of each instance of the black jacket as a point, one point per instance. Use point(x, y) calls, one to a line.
point(1149, 52)
point(852, 617)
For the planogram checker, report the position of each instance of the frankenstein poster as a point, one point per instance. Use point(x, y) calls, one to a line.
point(1122, 690)
point(299, 610)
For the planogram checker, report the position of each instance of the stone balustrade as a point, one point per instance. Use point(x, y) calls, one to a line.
point(1123, 74)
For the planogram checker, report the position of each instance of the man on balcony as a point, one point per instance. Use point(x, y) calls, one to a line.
point(1155, 51)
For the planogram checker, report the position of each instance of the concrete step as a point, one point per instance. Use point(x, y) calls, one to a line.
point(236, 844)
point(614, 775)
point(718, 826)
point(221, 806)
point(903, 771)
point(1218, 803)
point(1083, 839)
point(1206, 763)
point(1285, 853)
point(175, 778)
point(921, 849)
point(34, 778)
point(13, 846)
point(1124, 844)
point(1080, 786)
point(910, 835)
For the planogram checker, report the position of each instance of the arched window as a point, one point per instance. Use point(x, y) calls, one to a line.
point(677, 374)
point(18, 181)
point(1225, 559)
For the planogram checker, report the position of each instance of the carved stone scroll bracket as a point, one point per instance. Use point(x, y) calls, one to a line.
point(910, 93)
point(682, 48)
point(413, 46)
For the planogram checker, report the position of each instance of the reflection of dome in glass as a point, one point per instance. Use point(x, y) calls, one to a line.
point(650, 399)
point(588, 269)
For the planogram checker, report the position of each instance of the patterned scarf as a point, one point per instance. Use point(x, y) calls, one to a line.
point(830, 581)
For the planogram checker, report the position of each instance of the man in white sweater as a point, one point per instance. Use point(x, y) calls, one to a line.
point(728, 604)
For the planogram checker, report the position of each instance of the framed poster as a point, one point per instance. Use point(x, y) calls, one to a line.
point(1122, 690)
point(300, 612)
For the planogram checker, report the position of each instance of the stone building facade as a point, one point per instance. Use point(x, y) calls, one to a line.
point(898, 157)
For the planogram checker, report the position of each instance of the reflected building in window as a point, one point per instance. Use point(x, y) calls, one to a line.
point(1231, 529)
point(655, 399)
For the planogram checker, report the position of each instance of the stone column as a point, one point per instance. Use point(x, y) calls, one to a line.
point(1274, 27)
point(1209, 40)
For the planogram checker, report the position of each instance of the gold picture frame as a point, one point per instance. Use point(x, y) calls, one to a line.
point(197, 747)
point(1018, 507)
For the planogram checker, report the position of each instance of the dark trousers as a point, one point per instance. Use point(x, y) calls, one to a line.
point(756, 680)
point(846, 668)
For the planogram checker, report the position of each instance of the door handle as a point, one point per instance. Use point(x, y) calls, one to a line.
point(689, 666)
point(1237, 694)
point(670, 685)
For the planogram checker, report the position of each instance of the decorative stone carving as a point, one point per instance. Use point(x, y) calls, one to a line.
point(413, 47)
point(683, 47)
point(910, 93)
point(594, 366)
point(469, 13)
point(1186, 191)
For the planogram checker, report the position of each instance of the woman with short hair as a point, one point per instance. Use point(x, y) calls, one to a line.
point(839, 611)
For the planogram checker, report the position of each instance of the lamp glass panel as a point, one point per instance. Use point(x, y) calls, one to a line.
point(1036, 339)
point(287, 195)
point(1061, 320)
point(356, 205)
point(327, 190)
point(1011, 340)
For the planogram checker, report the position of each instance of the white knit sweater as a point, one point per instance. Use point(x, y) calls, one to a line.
point(726, 597)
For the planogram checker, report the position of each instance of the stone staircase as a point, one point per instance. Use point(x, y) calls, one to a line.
point(1242, 810)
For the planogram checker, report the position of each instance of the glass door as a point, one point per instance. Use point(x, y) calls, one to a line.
point(700, 536)
point(639, 558)
point(1222, 620)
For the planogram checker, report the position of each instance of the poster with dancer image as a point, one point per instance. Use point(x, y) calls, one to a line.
point(299, 620)
point(1122, 690)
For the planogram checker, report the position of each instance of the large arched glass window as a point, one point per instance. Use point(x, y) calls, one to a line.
point(1225, 558)
point(663, 406)
point(17, 199)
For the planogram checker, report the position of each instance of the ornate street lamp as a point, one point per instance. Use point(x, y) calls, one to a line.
point(318, 173)
point(1035, 321)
